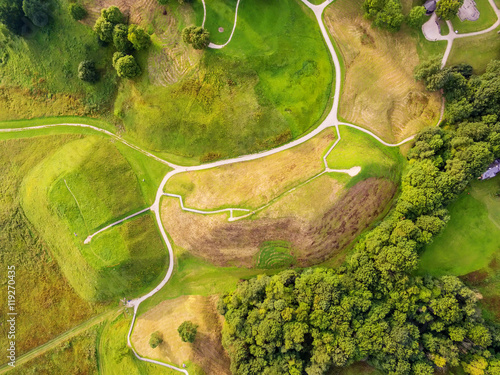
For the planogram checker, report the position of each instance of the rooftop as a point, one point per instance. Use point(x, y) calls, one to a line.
point(492, 170)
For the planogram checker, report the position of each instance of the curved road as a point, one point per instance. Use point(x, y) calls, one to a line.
point(430, 29)
point(330, 121)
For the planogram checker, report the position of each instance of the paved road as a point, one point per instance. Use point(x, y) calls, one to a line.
point(430, 29)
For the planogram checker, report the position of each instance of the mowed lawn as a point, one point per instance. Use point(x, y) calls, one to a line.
point(256, 93)
point(472, 237)
point(81, 188)
point(487, 18)
point(477, 51)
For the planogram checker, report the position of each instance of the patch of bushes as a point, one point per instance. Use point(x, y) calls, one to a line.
point(87, 71)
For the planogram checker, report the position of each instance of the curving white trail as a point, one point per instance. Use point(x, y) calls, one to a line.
point(331, 120)
point(219, 46)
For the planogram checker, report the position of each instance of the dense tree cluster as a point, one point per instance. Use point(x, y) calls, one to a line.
point(386, 14)
point(417, 17)
point(110, 27)
point(372, 308)
point(15, 14)
point(306, 323)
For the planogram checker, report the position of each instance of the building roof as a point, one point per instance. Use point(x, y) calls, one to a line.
point(430, 6)
point(492, 171)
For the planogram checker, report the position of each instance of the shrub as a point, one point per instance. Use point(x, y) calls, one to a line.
point(155, 339)
point(127, 67)
point(139, 38)
point(87, 71)
point(120, 38)
point(416, 17)
point(77, 11)
point(187, 331)
point(196, 36)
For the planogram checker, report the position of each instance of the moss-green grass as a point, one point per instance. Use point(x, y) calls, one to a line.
point(44, 65)
point(101, 188)
point(75, 356)
point(115, 358)
point(487, 18)
point(472, 237)
point(275, 254)
point(47, 303)
point(254, 94)
point(477, 51)
point(357, 148)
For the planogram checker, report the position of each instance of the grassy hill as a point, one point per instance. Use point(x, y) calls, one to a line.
point(84, 186)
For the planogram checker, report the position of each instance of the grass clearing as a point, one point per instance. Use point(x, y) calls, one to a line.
point(459, 252)
point(487, 18)
point(48, 303)
point(84, 186)
point(275, 254)
point(477, 51)
point(271, 90)
point(206, 351)
point(379, 91)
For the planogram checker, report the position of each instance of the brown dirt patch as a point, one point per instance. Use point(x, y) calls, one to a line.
point(475, 278)
point(314, 238)
point(206, 351)
point(492, 303)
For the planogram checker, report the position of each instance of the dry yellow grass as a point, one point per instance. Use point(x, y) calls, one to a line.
point(379, 90)
point(206, 351)
point(252, 184)
point(318, 219)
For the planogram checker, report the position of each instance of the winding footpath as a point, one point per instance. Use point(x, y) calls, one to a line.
point(331, 120)
point(432, 32)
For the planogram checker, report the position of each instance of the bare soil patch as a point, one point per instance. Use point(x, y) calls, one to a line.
point(206, 351)
point(315, 234)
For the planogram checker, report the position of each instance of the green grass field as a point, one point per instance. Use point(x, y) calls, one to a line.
point(115, 358)
point(487, 17)
point(477, 51)
point(275, 254)
point(254, 94)
point(75, 356)
point(47, 303)
point(84, 186)
point(40, 75)
point(360, 149)
point(472, 237)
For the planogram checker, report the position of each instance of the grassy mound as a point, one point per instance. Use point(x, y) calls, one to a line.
point(48, 304)
point(255, 93)
point(84, 186)
point(275, 254)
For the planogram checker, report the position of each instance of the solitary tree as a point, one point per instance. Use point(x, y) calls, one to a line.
point(139, 38)
point(155, 339)
point(127, 67)
point(187, 331)
point(416, 17)
point(112, 14)
point(87, 71)
point(446, 9)
point(196, 36)
point(77, 11)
